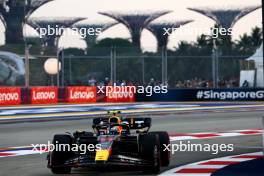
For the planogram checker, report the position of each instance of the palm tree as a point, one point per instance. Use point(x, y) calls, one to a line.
point(247, 44)
point(256, 37)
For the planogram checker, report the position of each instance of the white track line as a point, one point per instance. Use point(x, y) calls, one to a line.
point(207, 167)
point(27, 150)
point(208, 135)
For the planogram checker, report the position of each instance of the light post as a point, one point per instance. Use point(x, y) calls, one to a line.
point(27, 47)
point(215, 66)
point(143, 70)
point(263, 47)
point(70, 69)
point(52, 67)
point(215, 60)
point(113, 65)
point(263, 72)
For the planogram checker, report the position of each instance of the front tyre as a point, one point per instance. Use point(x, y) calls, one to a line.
point(164, 140)
point(150, 151)
point(61, 170)
point(58, 158)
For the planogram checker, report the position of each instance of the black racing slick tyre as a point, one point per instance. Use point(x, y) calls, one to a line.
point(164, 143)
point(61, 170)
point(149, 150)
point(58, 158)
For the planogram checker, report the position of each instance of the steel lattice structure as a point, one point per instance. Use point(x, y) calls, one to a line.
point(226, 17)
point(135, 22)
point(14, 14)
point(91, 39)
point(55, 23)
point(158, 29)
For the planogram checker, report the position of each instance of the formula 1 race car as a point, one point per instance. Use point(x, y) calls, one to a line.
point(119, 141)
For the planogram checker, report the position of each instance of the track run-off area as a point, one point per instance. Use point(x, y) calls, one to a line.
point(239, 124)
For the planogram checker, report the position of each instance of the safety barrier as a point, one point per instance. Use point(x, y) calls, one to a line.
point(239, 94)
point(10, 96)
point(263, 134)
point(53, 95)
point(86, 94)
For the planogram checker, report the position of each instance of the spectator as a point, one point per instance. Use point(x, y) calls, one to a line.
point(123, 83)
point(91, 82)
point(245, 84)
point(106, 81)
point(151, 82)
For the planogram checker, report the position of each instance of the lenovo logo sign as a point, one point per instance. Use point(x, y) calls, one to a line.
point(10, 96)
point(81, 94)
point(44, 95)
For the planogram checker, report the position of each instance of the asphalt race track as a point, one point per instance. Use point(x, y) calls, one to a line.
point(21, 134)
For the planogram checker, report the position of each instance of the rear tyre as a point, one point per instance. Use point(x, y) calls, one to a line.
point(149, 150)
point(164, 140)
point(61, 170)
point(58, 158)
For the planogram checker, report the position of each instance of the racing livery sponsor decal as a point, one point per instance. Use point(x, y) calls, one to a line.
point(10, 96)
point(44, 95)
point(81, 94)
point(120, 94)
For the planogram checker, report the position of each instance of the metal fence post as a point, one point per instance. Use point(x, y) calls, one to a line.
point(214, 65)
point(27, 66)
point(165, 66)
point(70, 69)
point(263, 134)
point(58, 68)
point(162, 66)
point(62, 69)
point(111, 64)
point(114, 59)
point(143, 70)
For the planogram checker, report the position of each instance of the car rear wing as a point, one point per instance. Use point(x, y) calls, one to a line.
point(138, 123)
point(98, 120)
point(133, 123)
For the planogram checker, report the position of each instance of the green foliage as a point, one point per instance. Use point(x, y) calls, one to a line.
point(117, 42)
